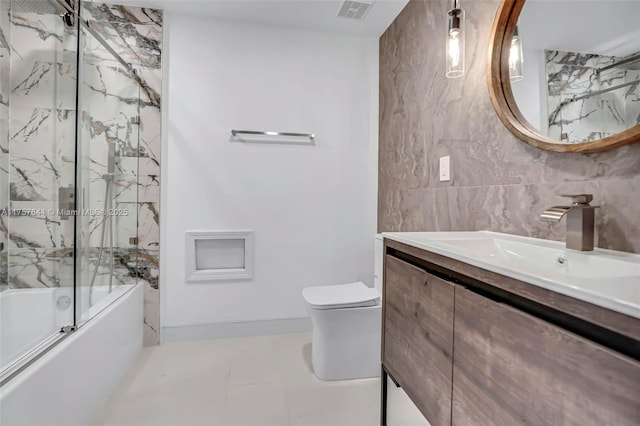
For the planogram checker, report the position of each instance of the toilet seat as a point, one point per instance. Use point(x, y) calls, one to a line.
point(352, 295)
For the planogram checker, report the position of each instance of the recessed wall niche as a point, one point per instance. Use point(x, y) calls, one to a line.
point(219, 255)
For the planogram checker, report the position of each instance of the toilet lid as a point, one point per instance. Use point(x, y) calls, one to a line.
point(341, 296)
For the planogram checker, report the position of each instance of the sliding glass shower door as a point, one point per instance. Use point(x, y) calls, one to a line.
point(69, 133)
point(108, 129)
point(37, 174)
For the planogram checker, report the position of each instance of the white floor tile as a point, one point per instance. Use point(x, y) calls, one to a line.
point(258, 404)
point(339, 418)
point(250, 367)
point(294, 359)
point(254, 381)
point(339, 396)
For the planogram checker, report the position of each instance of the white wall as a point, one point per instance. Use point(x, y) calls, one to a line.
point(313, 208)
point(530, 92)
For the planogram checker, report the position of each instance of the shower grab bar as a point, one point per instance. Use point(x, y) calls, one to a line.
point(311, 136)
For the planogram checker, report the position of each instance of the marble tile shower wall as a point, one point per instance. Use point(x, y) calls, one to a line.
point(572, 75)
point(136, 34)
point(41, 140)
point(498, 182)
point(5, 46)
point(38, 150)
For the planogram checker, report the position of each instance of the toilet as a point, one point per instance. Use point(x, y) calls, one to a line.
point(346, 322)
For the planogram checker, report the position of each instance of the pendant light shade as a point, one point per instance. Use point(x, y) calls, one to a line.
point(516, 63)
point(455, 41)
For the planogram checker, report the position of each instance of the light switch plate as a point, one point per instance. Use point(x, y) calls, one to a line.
point(445, 169)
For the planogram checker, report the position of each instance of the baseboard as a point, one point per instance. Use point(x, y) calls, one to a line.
point(190, 333)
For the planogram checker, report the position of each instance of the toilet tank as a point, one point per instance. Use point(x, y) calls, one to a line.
point(378, 262)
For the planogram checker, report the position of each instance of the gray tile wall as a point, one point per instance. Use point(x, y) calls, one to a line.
point(498, 182)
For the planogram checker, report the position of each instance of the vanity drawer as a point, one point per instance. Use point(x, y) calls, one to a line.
point(418, 337)
point(512, 368)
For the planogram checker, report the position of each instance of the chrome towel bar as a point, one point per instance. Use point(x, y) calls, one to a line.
point(311, 136)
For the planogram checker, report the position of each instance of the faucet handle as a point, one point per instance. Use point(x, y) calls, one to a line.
point(579, 198)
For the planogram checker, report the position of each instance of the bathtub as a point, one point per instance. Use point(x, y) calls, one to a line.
point(29, 319)
point(66, 384)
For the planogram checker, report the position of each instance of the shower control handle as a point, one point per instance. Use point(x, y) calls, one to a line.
point(66, 201)
point(111, 158)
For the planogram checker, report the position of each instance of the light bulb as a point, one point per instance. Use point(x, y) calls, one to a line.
point(516, 61)
point(454, 49)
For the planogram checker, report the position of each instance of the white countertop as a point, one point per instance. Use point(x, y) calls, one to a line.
point(606, 278)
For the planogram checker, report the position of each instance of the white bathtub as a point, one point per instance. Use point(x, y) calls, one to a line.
point(29, 317)
point(67, 384)
point(32, 318)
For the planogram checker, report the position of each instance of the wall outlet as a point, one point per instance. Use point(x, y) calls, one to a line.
point(445, 169)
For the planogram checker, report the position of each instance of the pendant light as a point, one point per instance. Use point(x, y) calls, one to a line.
point(455, 41)
point(515, 57)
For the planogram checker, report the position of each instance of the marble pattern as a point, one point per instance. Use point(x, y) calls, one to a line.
point(34, 267)
point(113, 98)
point(5, 67)
point(39, 230)
point(135, 33)
point(37, 78)
point(571, 75)
point(41, 80)
point(498, 182)
point(39, 167)
point(38, 148)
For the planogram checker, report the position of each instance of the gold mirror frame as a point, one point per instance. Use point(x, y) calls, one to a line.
point(505, 104)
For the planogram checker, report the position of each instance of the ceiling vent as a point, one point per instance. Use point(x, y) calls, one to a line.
point(355, 9)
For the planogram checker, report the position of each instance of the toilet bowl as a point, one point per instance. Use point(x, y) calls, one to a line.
point(346, 322)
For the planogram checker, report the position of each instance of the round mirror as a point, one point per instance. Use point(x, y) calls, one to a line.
point(564, 75)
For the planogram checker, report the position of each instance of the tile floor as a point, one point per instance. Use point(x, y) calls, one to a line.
point(254, 381)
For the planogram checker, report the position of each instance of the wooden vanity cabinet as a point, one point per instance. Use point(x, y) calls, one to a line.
point(511, 368)
point(474, 348)
point(418, 337)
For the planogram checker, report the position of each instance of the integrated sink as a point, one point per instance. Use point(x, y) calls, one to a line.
point(604, 277)
point(550, 260)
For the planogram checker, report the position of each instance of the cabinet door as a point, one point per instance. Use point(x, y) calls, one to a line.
point(511, 368)
point(418, 337)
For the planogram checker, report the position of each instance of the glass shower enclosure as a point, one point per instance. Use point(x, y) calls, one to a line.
point(69, 130)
